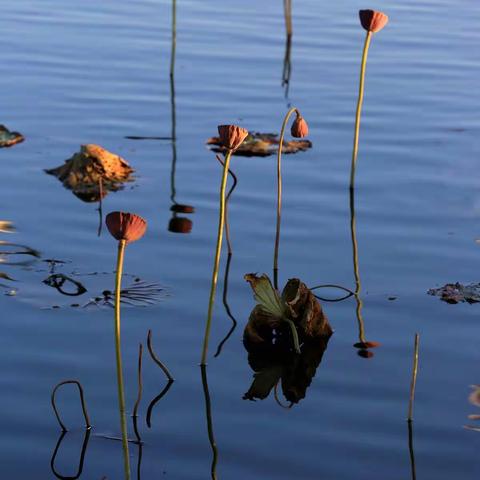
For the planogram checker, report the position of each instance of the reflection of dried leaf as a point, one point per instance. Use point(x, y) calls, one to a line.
point(86, 169)
point(456, 293)
point(474, 397)
point(262, 145)
point(4, 276)
point(6, 227)
point(8, 138)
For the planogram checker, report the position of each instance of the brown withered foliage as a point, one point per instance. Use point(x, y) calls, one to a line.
point(267, 339)
point(93, 172)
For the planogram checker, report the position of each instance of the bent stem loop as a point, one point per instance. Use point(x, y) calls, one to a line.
point(279, 194)
point(218, 250)
point(359, 108)
point(118, 354)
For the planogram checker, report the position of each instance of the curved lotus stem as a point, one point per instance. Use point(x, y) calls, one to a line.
point(359, 108)
point(221, 226)
point(279, 193)
point(82, 401)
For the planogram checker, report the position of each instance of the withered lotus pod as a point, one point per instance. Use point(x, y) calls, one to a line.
point(373, 20)
point(232, 136)
point(180, 225)
point(179, 208)
point(299, 127)
point(126, 226)
point(365, 345)
point(365, 353)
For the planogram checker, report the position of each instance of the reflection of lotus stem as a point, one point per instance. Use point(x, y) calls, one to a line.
point(221, 225)
point(139, 394)
point(118, 353)
point(414, 379)
point(279, 194)
point(358, 284)
point(208, 411)
point(410, 449)
point(359, 108)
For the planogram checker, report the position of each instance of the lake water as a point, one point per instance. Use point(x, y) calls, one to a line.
point(85, 71)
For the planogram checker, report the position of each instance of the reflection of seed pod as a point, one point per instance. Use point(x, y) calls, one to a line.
point(365, 353)
point(299, 127)
point(372, 20)
point(232, 136)
point(180, 225)
point(126, 226)
point(365, 345)
point(179, 208)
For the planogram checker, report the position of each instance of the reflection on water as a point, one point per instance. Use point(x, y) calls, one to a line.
point(208, 414)
point(83, 451)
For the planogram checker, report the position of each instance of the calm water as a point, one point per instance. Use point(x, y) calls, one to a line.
point(94, 72)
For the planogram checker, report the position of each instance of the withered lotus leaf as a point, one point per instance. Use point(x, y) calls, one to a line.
point(126, 226)
point(8, 138)
point(93, 172)
point(297, 304)
point(373, 20)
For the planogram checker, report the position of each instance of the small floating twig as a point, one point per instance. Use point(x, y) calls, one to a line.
point(156, 359)
point(82, 401)
point(414, 379)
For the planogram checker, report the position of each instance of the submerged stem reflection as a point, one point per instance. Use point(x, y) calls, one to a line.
point(208, 412)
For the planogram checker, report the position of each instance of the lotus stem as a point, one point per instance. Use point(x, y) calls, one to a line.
point(279, 194)
point(156, 359)
point(139, 394)
point(359, 108)
point(413, 382)
point(118, 356)
point(82, 401)
point(218, 250)
point(287, 6)
point(356, 271)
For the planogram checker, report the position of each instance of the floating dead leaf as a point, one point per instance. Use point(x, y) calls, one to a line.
point(93, 172)
point(457, 293)
point(8, 138)
point(6, 227)
point(262, 145)
point(268, 338)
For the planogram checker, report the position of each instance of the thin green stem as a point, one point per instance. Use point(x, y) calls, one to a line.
point(218, 250)
point(118, 354)
point(279, 194)
point(359, 108)
point(413, 382)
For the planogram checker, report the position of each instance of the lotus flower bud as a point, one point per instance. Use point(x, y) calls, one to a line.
point(372, 20)
point(299, 127)
point(180, 225)
point(232, 136)
point(126, 226)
